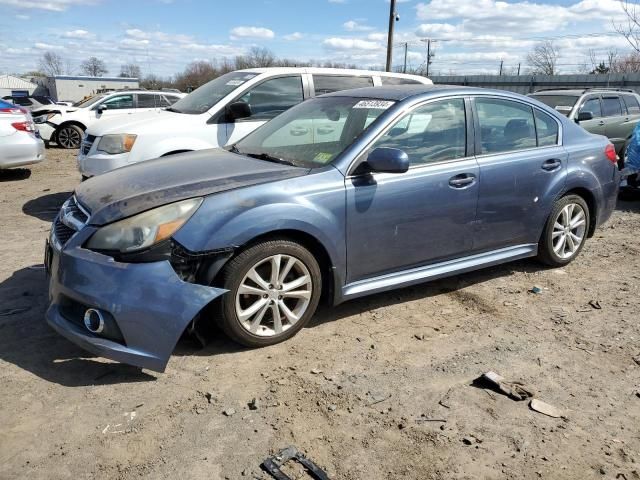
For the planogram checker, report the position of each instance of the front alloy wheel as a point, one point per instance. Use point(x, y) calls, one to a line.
point(273, 290)
point(69, 136)
point(273, 295)
point(565, 231)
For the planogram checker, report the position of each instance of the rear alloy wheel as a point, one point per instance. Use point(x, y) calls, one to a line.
point(565, 231)
point(69, 136)
point(274, 289)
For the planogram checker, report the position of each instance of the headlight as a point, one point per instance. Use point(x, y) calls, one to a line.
point(44, 118)
point(114, 144)
point(145, 229)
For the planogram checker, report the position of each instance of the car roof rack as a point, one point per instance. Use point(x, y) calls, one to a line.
point(588, 89)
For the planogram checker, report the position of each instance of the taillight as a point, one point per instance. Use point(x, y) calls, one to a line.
point(610, 153)
point(15, 110)
point(24, 126)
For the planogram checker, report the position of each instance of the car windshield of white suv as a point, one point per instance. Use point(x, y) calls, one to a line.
point(562, 103)
point(205, 97)
point(313, 133)
point(88, 101)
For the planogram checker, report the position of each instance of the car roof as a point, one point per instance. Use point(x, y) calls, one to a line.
point(580, 91)
point(402, 92)
point(332, 71)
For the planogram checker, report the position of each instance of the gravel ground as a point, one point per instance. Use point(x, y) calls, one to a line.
point(378, 388)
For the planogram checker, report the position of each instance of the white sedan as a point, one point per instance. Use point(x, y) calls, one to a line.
point(19, 141)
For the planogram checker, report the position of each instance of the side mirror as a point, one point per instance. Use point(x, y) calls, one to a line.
point(388, 160)
point(584, 116)
point(238, 110)
point(102, 107)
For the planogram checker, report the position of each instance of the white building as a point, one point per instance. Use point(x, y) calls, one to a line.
point(76, 87)
point(15, 86)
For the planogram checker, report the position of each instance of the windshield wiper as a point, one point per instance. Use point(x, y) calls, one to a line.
point(270, 158)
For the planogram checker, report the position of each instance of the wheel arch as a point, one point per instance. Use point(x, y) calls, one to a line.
point(308, 241)
point(71, 122)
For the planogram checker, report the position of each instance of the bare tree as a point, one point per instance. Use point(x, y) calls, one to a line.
point(630, 29)
point(130, 70)
point(51, 64)
point(94, 67)
point(544, 58)
point(256, 57)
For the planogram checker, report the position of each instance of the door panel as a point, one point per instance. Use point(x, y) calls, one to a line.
point(616, 125)
point(396, 221)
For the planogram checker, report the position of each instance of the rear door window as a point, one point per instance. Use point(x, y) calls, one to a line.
point(505, 125)
point(592, 105)
point(611, 107)
point(273, 97)
point(631, 102)
point(334, 83)
point(149, 100)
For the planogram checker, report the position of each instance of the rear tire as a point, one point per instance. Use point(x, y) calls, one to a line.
point(273, 291)
point(565, 232)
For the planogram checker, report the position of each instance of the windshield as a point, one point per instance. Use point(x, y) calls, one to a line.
point(88, 101)
point(561, 103)
point(205, 97)
point(313, 133)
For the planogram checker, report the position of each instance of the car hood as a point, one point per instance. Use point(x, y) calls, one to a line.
point(140, 122)
point(130, 190)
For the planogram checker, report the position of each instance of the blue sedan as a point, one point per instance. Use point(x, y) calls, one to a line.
point(344, 195)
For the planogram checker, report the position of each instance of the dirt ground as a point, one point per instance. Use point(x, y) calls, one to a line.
point(378, 388)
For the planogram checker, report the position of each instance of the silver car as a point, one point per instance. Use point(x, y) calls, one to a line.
point(19, 141)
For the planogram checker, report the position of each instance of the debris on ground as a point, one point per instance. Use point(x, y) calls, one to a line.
point(229, 412)
point(514, 390)
point(595, 304)
point(272, 464)
point(254, 404)
point(544, 408)
point(637, 359)
point(535, 289)
point(316, 371)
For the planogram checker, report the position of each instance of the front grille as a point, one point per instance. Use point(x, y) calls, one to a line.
point(87, 142)
point(71, 219)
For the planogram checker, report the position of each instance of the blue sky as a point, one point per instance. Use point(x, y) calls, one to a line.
point(162, 36)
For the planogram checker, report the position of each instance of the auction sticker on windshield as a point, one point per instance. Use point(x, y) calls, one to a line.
point(384, 104)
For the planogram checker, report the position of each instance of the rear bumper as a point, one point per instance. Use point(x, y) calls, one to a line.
point(150, 305)
point(609, 199)
point(21, 149)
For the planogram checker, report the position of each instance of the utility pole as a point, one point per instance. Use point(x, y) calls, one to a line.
point(501, 63)
point(429, 54)
point(406, 47)
point(392, 19)
point(518, 69)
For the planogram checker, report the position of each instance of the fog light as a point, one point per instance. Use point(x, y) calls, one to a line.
point(94, 320)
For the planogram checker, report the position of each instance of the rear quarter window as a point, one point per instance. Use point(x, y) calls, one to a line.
point(546, 129)
point(398, 81)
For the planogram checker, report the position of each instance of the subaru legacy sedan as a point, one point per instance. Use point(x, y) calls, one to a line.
point(344, 195)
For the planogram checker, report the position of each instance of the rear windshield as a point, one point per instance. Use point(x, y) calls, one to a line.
point(205, 97)
point(561, 103)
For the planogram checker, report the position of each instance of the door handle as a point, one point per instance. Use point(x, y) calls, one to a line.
point(552, 164)
point(601, 122)
point(462, 180)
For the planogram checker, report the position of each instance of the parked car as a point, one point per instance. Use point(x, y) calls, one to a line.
point(211, 115)
point(610, 112)
point(19, 142)
point(66, 125)
point(411, 184)
point(29, 102)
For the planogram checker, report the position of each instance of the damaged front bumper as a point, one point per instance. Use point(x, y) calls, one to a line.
point(145, 306)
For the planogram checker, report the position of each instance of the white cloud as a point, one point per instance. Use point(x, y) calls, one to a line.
point(51, 5)
point(354, 26)
point(47, 46)
point(294, 36)
point(251, 32)
point(337, 1)
point(77, 34)
point(23, 17)
point(338, 43)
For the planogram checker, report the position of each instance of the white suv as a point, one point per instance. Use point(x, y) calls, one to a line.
point(65, 125)
point(218, 113)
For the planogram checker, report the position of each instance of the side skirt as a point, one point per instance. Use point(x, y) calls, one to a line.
point(439, 270)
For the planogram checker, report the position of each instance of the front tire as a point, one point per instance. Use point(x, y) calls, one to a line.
point(273, 291)
point(565, 232)
point(69, 136)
